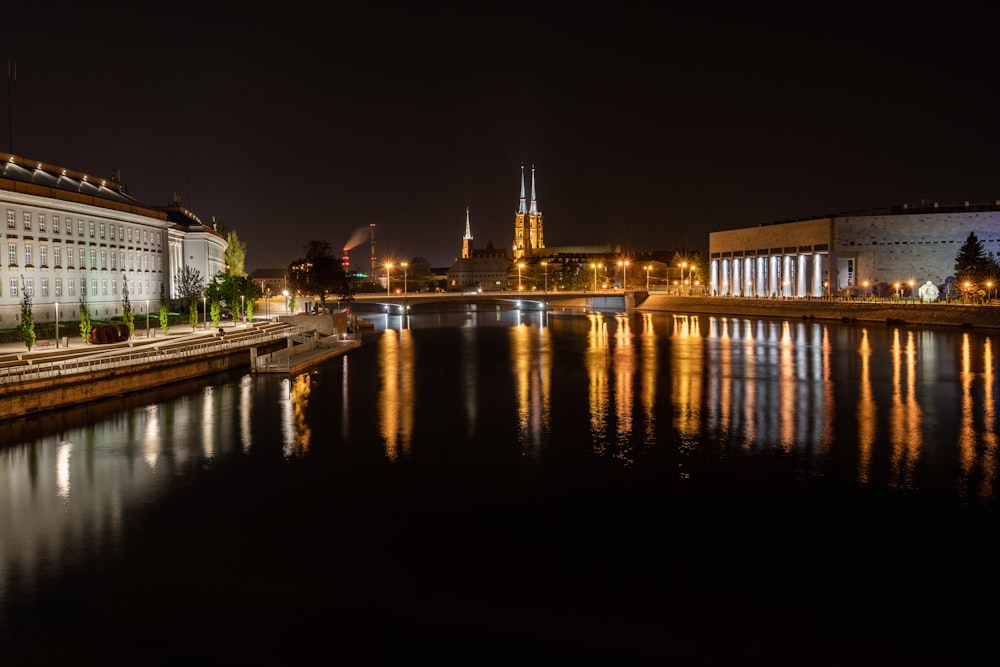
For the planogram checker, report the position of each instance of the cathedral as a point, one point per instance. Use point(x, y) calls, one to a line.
point(528, 234)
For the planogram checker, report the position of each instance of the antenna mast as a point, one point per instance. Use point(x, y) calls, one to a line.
point(11, 81)
point(372, 227)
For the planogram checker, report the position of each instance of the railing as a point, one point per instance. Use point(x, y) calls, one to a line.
point(123, 358)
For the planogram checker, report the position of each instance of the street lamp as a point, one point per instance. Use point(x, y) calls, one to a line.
point(404, 265)
point(519, 266)
point(624, 265)
point(647, 276)
point(388, 277)
point(545, 268)
point(147, 318)
point(284, 293)
point(911, 290)
point(896, 285)
point(683, 266)
point(57, 324)
point(204, 310)
point(867, 293)
point(989, 289)
point(595, 266)
point(242, 304)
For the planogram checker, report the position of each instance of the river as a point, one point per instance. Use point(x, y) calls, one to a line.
point(490, 485)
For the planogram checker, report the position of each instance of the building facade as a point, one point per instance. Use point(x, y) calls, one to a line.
point(908, 245)
point(478, 269)
point(71, 237)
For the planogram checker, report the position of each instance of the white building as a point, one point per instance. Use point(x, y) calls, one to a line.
point(909, 245)
point(70, 234)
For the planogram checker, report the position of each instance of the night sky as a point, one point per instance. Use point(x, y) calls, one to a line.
point(648, 127)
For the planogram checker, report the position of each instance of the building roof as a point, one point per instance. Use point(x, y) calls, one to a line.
point(20, 174)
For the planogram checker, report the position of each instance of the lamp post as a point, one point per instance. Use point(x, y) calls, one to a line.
point(404, 265)
point(519, 266)
point(647, 276)
point(147, 318)
point(595, 266)
point(867, 293)
point(284, 293)
point(683, 266)
point(242, 304)
point(897, 290)
point(57, 324)
point(204, 310)
point(624, 266)
point(911, 290)
point(545, 269)
point(989, 290)
point(388, 277)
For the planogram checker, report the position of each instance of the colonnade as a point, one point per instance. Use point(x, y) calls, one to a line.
point(784, 275)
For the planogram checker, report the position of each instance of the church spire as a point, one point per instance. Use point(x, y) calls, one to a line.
point(534, 202)
point(522, 209)
point(468, 226)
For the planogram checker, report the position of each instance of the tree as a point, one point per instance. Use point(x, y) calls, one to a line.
point(164, 312)
point(27, 317)
point(190, 283)
point(319, 273)
point(971, 263)
point(420, 274)
point(128, 317)
point(291, 303)
point(235, 256)
point(216, 312)
point(85, 322)
point(193, 314)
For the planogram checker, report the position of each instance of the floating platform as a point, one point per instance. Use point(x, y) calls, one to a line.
point(302, 355)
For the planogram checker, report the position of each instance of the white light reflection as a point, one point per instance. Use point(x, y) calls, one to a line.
point(246, 412)
point(207, 422)
point(63, 453)
point(867, 411)
point(151, 440)
point(287, 425)
point(624, 366)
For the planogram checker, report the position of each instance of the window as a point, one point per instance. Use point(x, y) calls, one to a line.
point(13, 286)
point(93, 286)
point(43, 255)
point(102, 230)
point(70, 289)
point(111, 232)
point(27, 254)
point(58, 286)
point(45, 286)
point(27, 220)
point(121, 258)
point(114, 287)
point(79, 227)
point(121, 232)
point(55, 224)
point(83, 258)
point(57, 256)
point(29, 287)
point(129, 234)
point(41, 222)
point(93, 258)
point(114, 256)
point(10, 219)
point(91, 228)
point(104, 287)
point(12, 253)
point(104, 258)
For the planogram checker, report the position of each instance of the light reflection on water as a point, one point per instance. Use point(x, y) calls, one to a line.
point(893, 406)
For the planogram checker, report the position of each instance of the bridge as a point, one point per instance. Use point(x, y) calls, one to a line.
point(616, 301)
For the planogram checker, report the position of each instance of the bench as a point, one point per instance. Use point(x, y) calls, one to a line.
point(43, 343)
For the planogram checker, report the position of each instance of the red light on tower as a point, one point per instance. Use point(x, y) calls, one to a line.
point(345, 261)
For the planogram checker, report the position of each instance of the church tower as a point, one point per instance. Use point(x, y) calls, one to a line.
point(528, 234)
point(467, 239)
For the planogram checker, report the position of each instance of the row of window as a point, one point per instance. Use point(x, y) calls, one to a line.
point(95, 229)
point(134, 287)
point(142, 260)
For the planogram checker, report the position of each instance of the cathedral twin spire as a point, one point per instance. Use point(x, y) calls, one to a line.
point(527, 222)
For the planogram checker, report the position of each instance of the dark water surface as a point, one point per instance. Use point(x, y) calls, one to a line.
point(505, 487)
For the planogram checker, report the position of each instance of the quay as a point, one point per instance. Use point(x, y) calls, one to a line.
point(48, 378)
